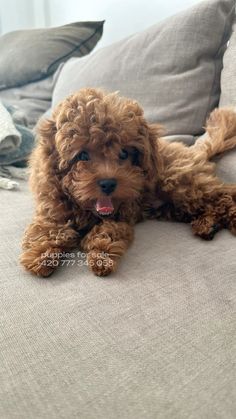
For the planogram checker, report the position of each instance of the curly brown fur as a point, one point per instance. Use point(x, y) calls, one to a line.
point(187, 180)
point(94, 137)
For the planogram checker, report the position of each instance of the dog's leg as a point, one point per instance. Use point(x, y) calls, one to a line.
point(43, 243)
point(105, 244)
point(220, 134)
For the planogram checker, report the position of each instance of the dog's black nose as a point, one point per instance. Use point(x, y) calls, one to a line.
point(107, 185)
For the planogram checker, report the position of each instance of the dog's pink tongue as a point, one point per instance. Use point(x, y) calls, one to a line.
point(104, 205)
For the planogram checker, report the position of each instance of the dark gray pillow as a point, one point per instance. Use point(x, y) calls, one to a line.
point(173, 68)
point(30, 55)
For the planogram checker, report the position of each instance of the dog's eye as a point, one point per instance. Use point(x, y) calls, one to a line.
point(135, 157)
point(82, 156)
point(124, 154)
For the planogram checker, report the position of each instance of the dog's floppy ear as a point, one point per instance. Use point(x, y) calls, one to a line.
point(46, 130)
point(154, 132)
point(45, 147)
point(44, 179)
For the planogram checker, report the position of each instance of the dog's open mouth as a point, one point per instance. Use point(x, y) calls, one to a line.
point(104, 206)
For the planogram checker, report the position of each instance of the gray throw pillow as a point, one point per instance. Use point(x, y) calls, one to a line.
point(30, 55)
point(173, 68)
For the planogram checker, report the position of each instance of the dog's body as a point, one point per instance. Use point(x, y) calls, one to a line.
point(99, 168)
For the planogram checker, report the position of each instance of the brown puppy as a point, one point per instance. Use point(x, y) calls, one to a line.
point(99, 168)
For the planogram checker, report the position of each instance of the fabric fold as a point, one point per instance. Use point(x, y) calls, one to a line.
point(10, 137)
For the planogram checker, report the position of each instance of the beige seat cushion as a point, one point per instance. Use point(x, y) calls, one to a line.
point(155, 340)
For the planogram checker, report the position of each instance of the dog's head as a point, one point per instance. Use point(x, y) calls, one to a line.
point(104, 150)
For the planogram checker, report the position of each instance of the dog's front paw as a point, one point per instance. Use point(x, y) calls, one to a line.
point(101, 263)
point(40, 263)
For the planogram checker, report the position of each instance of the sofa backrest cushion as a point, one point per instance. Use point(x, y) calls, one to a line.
point(228, 75)
point(172, 68)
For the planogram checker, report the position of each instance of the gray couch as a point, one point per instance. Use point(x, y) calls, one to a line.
point(155, 340)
